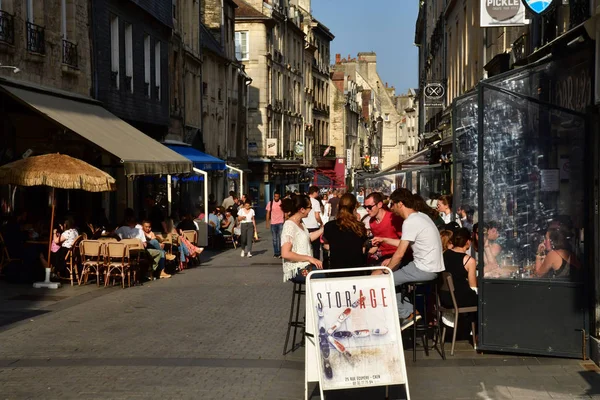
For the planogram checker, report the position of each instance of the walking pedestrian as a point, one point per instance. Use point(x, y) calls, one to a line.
point(275, 221)
point(313, 220)
point(248, 227)
point(421, 235)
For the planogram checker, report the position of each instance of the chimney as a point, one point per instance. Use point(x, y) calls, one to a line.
point(349, 57)
point(338, 58)
point(386, 85)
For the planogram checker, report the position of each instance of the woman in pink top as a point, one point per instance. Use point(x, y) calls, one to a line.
point(275, 220)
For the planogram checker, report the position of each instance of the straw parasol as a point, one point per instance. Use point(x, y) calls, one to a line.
point(56, 171)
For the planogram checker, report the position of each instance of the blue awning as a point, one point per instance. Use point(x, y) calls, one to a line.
point(201, 160)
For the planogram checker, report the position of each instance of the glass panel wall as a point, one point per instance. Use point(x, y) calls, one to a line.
point(533, 188)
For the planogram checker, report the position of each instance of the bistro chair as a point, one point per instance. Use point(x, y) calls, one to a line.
point(117, 262)
point(5, 258)
point(448, 286)
point(92, 259)
point(294, 322)
point(191, 236)
point(136, 249)
point(229, 238)
point(73, 258)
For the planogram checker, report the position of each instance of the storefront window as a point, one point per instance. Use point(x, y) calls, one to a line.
point(533, 189)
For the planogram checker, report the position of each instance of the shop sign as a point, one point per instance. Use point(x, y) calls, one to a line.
point(374, 161)
point(271, 147)
point(357, 338)
point(252, 148)
point(502, 13)
point(349, 158)
point(539, 7)
point(434, 94)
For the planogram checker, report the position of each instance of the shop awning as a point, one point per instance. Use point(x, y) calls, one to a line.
point(139, 153)
point(201, 160)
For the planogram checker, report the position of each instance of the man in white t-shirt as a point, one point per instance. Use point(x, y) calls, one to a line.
point(313, 221)
point(420, 233)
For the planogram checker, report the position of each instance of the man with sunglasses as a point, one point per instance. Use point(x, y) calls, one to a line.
point(383, 224)
point(422, 236)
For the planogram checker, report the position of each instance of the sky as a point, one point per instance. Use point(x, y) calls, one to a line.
point(386, 27)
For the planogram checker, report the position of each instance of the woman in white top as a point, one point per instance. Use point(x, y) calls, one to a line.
point(326, 209)
point(248, 227)
point(443, 206)
point(296, 249)
point(65, 241)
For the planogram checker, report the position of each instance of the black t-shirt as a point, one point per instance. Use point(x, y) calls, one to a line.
point(186, 225)
point(334, 201)
point(346, 247)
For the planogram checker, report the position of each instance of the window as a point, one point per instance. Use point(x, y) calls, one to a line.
point(129, 57)
point(241, 46)
point(157, 71)
point(387, 117)
point(114, 50)
point(147, 65)
point(63, 17)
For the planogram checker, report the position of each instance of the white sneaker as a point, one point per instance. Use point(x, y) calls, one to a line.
point(448, 319)
point(242, 255)
point(249, 255)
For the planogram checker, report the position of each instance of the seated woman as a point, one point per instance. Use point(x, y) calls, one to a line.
point(463, 269)
point(555, 258)
point(65, 241)
point(491, 249)
point(346, 236)
point(296, 247)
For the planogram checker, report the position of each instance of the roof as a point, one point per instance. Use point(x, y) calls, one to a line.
point(138, 152)
point(245, 10)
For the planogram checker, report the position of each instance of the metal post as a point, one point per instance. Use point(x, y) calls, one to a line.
point(169, 187)
point(205, 174)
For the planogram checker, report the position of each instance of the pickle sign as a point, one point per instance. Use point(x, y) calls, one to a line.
point(501, 10)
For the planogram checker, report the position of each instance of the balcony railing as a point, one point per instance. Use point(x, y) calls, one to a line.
point(36, 42)
point(319, 151)
point(7, 28)
point(69, 54)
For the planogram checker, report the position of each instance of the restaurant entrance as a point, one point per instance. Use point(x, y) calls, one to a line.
point(522, 147)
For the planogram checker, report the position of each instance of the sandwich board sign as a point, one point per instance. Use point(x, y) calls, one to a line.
point(353, 331)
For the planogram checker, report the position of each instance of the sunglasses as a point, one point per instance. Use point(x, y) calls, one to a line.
point(370, 207)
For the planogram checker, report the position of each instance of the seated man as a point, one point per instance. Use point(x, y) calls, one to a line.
point(420, 233)
point(133, 231)
point(214, 222)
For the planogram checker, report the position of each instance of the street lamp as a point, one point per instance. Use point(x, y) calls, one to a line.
point(15, 69)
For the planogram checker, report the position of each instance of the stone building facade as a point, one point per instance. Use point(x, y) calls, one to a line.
point(49, 43)
point(185, 70)
point(131, 61)
point(363, 70)
point(276, 38)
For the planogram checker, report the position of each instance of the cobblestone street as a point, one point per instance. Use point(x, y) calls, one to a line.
point(217, 332)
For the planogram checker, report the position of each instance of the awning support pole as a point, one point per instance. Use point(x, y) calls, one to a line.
point(169, 187)
point(205, 174)
point(241, 178)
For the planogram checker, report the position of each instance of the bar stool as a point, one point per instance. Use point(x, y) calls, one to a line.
point(294, 322)
point(418, 290)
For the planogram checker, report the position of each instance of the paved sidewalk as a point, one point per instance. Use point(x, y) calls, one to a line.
point(217, 332)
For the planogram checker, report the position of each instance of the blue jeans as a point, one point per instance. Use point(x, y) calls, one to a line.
point(406, 274)
point(276, 232)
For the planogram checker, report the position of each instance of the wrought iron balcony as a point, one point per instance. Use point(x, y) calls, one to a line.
point(320, 151)
point(36, 42)
point(7, 28)
point(69, 54)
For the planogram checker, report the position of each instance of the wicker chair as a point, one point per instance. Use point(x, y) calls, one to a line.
point(118, 262)
point(92, 254)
